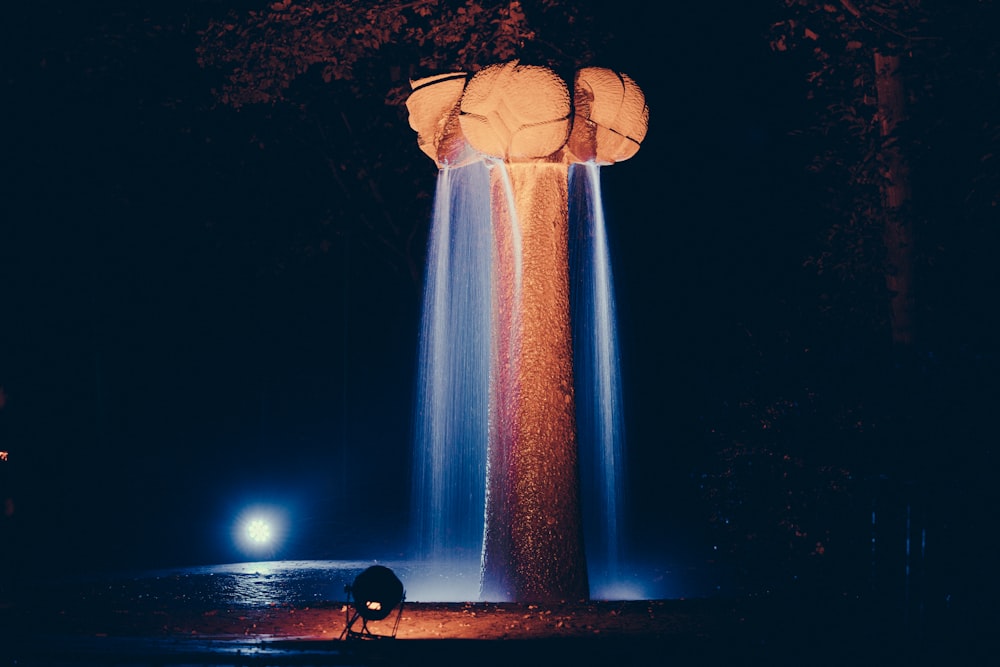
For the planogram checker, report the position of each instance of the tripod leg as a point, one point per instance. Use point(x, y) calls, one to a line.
point(351, 619)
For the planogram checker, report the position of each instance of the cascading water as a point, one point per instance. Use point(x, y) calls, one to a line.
point(518, 450)
point(599, 418)
point(453, 377)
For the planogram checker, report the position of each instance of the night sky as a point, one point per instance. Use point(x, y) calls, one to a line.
point(186, 329)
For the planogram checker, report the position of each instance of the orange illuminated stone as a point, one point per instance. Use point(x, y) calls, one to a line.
point(517, 112)
point(513, 111)
point(433, 109)
point(611, 116)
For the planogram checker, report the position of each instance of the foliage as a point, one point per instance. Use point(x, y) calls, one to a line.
point(333, 64)
point(941, 43)
point(837, 42)
point(268, 49)
point(780, 513)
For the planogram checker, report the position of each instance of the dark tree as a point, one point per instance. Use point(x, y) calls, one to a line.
point(878, 72)
point(344, 70)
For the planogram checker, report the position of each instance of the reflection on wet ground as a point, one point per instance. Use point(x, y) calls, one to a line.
point(304, 582)
point(290, 612)
point(207, 614)
point(256, 584)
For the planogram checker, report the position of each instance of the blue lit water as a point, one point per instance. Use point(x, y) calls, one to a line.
point(236, 585)
point(307, 582)
point(453, 384)
point(596, 366)
point(452, 411)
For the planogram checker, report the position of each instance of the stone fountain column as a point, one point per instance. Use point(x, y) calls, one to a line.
point(520, 120)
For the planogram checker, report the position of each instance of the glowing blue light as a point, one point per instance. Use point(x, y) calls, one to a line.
point(260, 531)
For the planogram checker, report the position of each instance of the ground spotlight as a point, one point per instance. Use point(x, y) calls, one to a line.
point(372, 597)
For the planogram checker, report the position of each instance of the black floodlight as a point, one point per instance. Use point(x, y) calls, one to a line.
point(372, 597)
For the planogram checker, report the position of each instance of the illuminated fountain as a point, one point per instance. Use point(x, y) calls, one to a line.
point(498, 465)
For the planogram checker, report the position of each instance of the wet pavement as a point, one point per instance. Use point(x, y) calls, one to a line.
point(271, 613)
point(136, 651)
point(292, 612)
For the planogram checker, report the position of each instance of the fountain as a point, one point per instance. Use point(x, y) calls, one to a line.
point(497, 469)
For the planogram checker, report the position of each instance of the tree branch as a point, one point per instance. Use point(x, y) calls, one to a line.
point(851, 8)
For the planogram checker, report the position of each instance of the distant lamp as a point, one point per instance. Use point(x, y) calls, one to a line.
point(372, 597)
point(258, 531)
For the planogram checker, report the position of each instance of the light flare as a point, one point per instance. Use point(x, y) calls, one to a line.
point(258, 531)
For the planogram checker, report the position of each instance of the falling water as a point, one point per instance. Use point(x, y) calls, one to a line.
point(453, 376)
point(453, 392)
point(524, 127)
point(600, 426)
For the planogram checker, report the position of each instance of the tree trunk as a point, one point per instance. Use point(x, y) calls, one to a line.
point(898, 232)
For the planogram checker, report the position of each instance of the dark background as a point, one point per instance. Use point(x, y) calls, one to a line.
point(186, 328)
